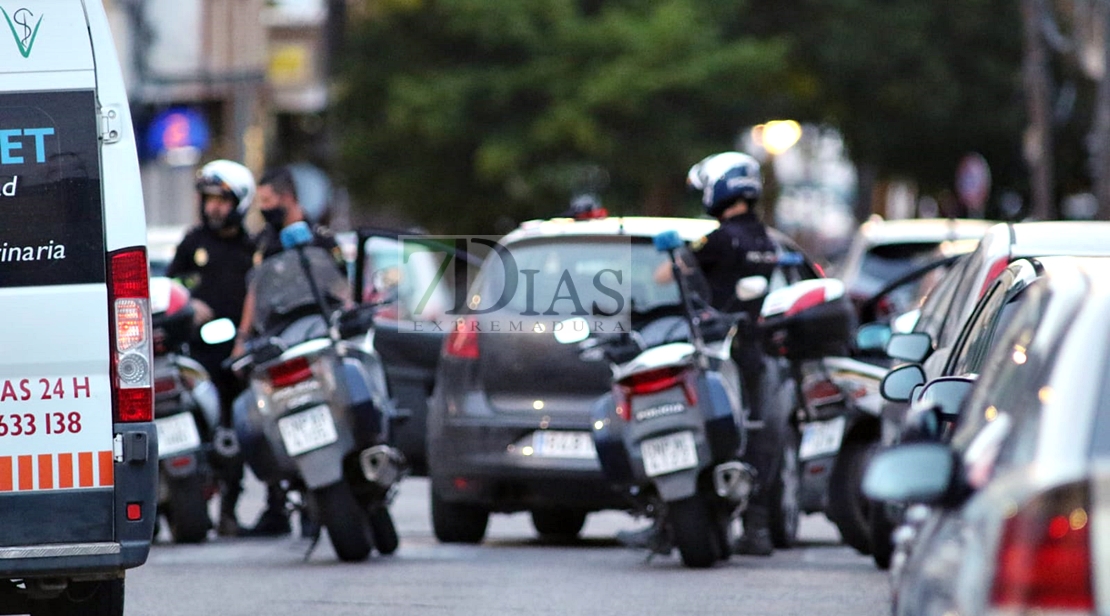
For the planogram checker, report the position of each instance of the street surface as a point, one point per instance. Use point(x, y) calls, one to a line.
point(511, 573)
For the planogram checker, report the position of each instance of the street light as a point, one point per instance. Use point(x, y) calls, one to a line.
point(777, 136)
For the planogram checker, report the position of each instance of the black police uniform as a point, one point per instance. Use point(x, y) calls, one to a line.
point(214, 267)
point(741, 247)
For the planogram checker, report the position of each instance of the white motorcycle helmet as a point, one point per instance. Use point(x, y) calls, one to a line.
point(229, 179)
point(723, 178)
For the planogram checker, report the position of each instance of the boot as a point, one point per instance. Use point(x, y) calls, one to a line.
point(228, 526)
point(274, 521)
point(756, 540)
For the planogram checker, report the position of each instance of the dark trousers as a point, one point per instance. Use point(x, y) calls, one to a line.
point(228, 470)
point(761, 383)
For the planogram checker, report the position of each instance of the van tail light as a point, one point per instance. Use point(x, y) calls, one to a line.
point(290, 373)
point(130, 335)
point(654, 381)
point(462, 341)
point(1044, 558)
point(993, 271)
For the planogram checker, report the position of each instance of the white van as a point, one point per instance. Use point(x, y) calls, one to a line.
point(78, 448)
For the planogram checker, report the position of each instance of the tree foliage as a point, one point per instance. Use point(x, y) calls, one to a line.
point(470, 115)
point(485, 108)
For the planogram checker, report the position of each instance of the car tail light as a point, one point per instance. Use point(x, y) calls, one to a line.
point(130, 333)
point(462, 341)
point(1044, 559)
point(993, 271)
point(164, 385)
point(290, 373)
point(654, 381)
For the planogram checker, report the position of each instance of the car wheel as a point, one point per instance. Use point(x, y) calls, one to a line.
point(458, 522)
point(559, 523)
point(786, 495)
point(103, 598)
point(347, 524)
point(848, 508)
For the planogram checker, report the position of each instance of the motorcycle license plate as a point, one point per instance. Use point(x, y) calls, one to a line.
point(307, 430)
point(821, 438)
point(668, 454)
point(557, 444)
point(176, 433)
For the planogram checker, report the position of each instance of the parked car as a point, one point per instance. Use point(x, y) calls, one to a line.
point(509, 419)
point(883, 250)
point(945, 315)
point(1018, 495)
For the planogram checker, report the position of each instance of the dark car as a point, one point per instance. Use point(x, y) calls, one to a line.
point(1017, 494)
point(509, 420)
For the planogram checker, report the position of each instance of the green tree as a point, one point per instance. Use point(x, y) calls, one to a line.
point(469, 114)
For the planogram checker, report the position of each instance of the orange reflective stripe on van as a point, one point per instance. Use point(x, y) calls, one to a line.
point(62, 471)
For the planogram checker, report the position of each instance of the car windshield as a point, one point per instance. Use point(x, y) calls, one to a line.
point(553, 273)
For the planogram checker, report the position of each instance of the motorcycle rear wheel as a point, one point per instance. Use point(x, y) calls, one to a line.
point(786, 495)
point(187, 510)
point(695, 531)
point(848, 508)
point(348, 525)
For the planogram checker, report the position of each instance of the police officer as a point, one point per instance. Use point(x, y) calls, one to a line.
point(212, 260)
point(280, 207)
point(731, 185)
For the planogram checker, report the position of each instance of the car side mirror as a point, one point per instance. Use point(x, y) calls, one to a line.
point(217, 331)
point(948, 394)
point(911, 473)
point(912, 347)
point(898, 384)
point(872, 338)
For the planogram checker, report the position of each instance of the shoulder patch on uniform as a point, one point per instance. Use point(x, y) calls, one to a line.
point(699, 243)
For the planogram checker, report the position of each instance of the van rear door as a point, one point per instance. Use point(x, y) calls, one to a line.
point(74, 310)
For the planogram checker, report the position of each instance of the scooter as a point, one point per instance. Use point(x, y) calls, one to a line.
point(317, 415)
point(186, 413)
point(672, 432)
point(809, 324)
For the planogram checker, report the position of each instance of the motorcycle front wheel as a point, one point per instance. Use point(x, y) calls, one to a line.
point(348, 525)
point(696, 531)
point(386, 539)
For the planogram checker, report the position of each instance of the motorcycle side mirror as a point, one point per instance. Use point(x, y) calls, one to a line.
point(667, 241)
point(217, 331)
point(912, 347)
point(898, 384)
point(872, 338)
point(571, 331)
point(751, 287)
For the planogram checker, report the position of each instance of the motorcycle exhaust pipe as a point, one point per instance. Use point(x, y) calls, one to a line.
point(381, 465)
point(734, 481)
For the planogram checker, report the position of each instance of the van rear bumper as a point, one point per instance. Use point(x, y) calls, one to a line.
point(85, 533)
point(72, 560)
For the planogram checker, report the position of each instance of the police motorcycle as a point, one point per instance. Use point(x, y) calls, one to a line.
point(317, 415)
point(809, 326)
point(671, 433)
point(186, 413)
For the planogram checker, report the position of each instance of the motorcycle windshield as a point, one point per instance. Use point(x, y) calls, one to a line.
point(283, 292)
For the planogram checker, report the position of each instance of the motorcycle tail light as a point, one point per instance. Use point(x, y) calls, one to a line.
point(1044, 558)
point(290, 373)
point(654, 381)
point(130, 333)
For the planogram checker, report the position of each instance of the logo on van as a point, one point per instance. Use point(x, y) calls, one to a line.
point(25, 37)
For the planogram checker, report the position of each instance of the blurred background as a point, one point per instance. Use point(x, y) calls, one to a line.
point(468, 116)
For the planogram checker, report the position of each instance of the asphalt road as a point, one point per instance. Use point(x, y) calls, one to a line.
point(512, 572)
